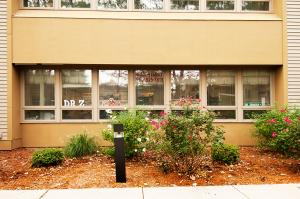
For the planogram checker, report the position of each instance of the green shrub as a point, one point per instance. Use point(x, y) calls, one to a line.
point(279, 131)
point(109, 151)
point(80, 145)
point(47, 157)
point(182, 140)
point(224, 153)
point(136, 128)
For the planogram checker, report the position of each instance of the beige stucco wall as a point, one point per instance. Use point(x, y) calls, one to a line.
point(56, 135)
point(116, 41)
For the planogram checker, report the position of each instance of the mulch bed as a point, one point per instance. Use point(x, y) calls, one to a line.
point(255, 167)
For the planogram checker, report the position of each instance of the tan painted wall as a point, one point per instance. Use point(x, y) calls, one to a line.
point(56, 135)
point(113, 41)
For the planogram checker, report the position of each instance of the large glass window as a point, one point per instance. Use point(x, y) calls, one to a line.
point(112, 4)
point(184, 84)
point(113, 87)
point(256, 5)
point(220, 88)
point(39, 87)
point(220, 4)
point(184, 4)
point(149, 87)
point(75, 3)
point(38, 3)
point(256, 88)
point(148, 4)
point(76, 88)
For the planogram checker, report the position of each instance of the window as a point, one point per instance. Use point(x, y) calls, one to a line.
point(39, 94)
point(75, 3)
point(220, 88)
point(256, 5)
point(77, 94)
point(113, 92)
point(184, 4)
point(148, 4)
point(37, 3)
point(184, 84)
point(256, 92)
point(220, 5)
point(149, 87)
point(112, 4)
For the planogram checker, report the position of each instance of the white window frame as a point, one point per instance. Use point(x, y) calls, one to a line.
point(166, 7)
point(95, 107)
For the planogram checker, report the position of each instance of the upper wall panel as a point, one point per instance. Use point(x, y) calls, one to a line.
point(117, 41)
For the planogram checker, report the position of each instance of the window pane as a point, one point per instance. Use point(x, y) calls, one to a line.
point(107, 114)
point(184, 4)
point(76, 114)
point(76, 87)
point(225, 114)
point(75, 3)
point(39, 115)
point(256, 5)
point(39, 87)
point(113, 87)
point(219, 5)
point(250, 114)
point(149, 4)
point(149, 87)
point(220, 88)
point(256, 87)
point(185, 83)
point(112, 4)
point(38, 3)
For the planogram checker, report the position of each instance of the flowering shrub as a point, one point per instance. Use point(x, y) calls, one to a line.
point(279, 131)
point(136, 127)
point(182, 140)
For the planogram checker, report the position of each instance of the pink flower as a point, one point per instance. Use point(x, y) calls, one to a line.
point(162, 114)
point(274, 134)
point(199, 100)
point(283, 110)
point(272, 121)
point(287, 120)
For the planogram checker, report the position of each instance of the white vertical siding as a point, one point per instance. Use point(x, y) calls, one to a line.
point(3, 69)
point(293, 31)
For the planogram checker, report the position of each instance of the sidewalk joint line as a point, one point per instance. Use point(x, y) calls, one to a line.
point(240, 191)
point(44, 194)
point(143, 192)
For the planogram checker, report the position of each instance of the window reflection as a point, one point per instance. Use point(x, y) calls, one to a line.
point(38, 3)
point(149, 87)
point(113, 87)
point(75, 3)
point(76, 87)
point(112, 4)
point(220, 88)
point(149, 4)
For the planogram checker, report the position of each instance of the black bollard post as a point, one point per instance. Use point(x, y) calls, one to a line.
point(119, 153)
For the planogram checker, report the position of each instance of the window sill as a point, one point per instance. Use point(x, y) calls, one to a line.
point(204, 16)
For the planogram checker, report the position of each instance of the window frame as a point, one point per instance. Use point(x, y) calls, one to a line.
point(166, 7)
point(95, 106)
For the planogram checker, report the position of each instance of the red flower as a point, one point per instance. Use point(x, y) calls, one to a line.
point(283, 110)
point(287, 120)
point(274, 134)
point(162, 114)
point(299, 118)
point(174, 127)
point(272, 121)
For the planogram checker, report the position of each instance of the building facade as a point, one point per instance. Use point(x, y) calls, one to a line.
point(66, 65)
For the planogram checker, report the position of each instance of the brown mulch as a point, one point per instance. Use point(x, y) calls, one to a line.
point(255, 167)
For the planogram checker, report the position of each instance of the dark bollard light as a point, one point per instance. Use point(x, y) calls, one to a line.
point(119, 153)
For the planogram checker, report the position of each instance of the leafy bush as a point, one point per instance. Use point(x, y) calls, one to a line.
point(279, 131)
point(47, 157)
point(182, 140)
point(225, 153)
point(136, 127)
point(80, 145)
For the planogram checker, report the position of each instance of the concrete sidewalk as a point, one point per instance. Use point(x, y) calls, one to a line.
point(280, 191)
